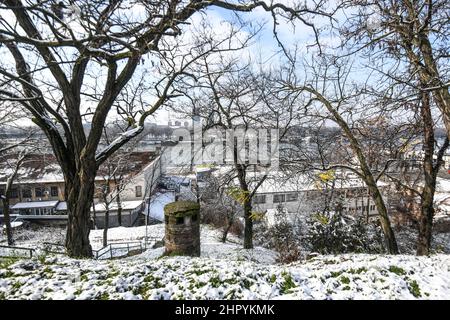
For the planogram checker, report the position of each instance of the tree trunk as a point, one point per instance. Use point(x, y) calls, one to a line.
point(7, 221)
point(119, 209)
point(430, 173)
point(227, 229)
point(79, 194)
point(389, 237)
point(105, 229)
point(248, 229)
point(367, 176)
point(425, 228)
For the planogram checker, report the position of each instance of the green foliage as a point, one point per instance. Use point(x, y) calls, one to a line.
point(397, 270)
point(414, 288)
point(345, 280)
point(6, 262)
point(103, 296)
point(287, 284)
point(273, 278)
point(335, 233)
point(239, 195)
point(7, 274)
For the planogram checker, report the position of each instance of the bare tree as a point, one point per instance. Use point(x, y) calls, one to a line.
point(403, 38)
point(234, 100)
point(332, 96)
point(71, 60)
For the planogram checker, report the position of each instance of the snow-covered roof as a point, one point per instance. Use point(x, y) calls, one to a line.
point(202, 169)
point(278, 182)
point(35, 204)
point(126, 205)
point(62, 206)
point(45, 169)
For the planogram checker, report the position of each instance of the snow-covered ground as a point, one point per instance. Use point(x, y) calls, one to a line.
point(211, 247)
point(224, 271)
point(327, 277)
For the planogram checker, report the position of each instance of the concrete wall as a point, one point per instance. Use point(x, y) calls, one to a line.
point(146, 178)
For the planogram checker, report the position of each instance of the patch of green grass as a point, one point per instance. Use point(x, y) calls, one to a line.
point(140, 289)
point(397, 270)
point(345, 280)
point(48, 271)
point(2, 296)
point(7, 274)
point(84, 277)
point(247, 283)
point(230, 281)
point(113, 273)
point(335, 274)
point(149, 278)
point(215, 281)
point(288, 283)
point(17, 285)
point(199, 272)
point(346, 288)
point(6, 262)
point(414, 288)
point(357, 271)
point(273, 278)
point(103, 296)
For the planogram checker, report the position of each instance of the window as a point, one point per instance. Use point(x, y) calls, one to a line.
point(277, 198)
point(54, 191)
point(180, 220)
point(259, 199)
point(290, 197)
point(194, 218)
point(39, 192)
point(26, 192)
point(14, 193)
point(138, 190)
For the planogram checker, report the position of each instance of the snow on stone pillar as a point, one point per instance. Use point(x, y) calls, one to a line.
point(182, 219)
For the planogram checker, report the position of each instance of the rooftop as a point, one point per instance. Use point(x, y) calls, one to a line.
point(45, 169)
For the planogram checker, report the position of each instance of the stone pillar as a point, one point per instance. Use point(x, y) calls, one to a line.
point(182, 219)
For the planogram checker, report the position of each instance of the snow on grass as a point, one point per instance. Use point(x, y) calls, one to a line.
point(211, 246)
point(326, 277)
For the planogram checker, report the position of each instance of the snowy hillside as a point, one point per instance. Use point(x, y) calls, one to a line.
point(327, 277)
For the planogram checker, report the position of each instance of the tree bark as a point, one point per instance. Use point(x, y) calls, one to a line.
point(366, 173)
point(248, 229)
point(430, 171)
point(119, 208)
point(7, 220)
point(227, 229)
point(79, 197)
point(105, 229)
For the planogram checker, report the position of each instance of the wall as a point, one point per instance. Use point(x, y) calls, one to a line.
point(144, 180)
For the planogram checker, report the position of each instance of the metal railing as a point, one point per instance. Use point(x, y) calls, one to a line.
point(16, 252)
point(55, 248)
point(118, 250)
